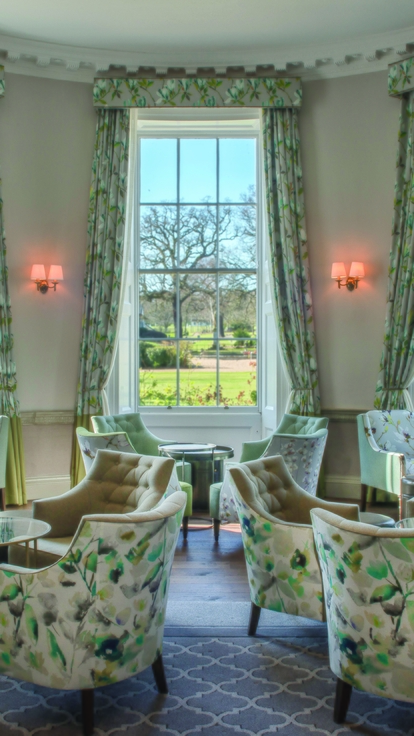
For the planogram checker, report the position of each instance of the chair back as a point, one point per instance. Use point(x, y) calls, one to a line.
point(303, 425)
point(143, 441)
point(392, 431)
point(303, 456)
point(367, 579)
point(4, 441)
point(90, 443)
point(96, 617)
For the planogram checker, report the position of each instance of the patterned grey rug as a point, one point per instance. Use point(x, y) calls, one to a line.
point(218, 687)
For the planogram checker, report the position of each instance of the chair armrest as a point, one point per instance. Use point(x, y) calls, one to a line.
point(64, 512)
point(253, 450)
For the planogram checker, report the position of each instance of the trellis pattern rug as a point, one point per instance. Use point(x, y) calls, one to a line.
point(218, 687)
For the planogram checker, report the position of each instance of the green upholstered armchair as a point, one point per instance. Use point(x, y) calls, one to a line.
point(301, 442)
point(96, 616)
point(4, 441)
point(91, 442)
point(282, 564)
point(143, 441)
point(386, 451)
point(367, 574)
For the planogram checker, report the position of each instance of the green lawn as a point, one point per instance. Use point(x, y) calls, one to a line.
point(196, 387)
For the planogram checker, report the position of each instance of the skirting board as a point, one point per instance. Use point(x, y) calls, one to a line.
point(343, 486)
point(47, 487)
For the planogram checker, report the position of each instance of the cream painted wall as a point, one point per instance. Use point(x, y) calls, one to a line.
point(47, 130)
point(349, 142)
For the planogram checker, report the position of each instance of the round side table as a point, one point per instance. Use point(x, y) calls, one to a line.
point(20, 529)
point(376, 519)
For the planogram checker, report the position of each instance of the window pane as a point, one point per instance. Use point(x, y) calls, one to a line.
point(198, 373)
point(237, 293)
point(198, 237)
point(158, 237)
point(158, 374)
point(237, 366)
point(237, 236)
point(197, 305)
point(237, 169)
point(157, 306)
point(158, 170)
point(198, 163)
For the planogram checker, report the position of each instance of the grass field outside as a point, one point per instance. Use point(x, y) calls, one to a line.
point(197, 387)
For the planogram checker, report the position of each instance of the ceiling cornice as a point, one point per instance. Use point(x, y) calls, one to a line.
point(354, 56)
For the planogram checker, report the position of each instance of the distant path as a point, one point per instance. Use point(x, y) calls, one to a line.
point(237, 364)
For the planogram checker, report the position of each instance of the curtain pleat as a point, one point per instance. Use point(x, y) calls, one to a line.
point(397, 360)
point(9, 405)
point(289, 257)
point(104, 261)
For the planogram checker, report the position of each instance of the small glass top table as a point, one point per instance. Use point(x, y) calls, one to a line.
point(405, 524)
point(367, 517)
point(206, 460)
point(20, 529)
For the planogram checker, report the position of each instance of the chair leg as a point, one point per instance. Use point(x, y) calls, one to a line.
point(255, 612)
point(87, 711)
point(216, 524)
point(185, 527)
point(3, 499)
point(364, 491)
point(159, 675)
point(342, 698)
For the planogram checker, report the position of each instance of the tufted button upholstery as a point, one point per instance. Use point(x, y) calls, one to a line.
point(295, 424)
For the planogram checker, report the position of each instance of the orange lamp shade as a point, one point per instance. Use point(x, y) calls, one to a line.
point(38, 272)
point(357, 270)
point(338, 271)
point(56, 273)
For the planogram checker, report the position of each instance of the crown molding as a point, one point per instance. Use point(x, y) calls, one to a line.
point(324, 61)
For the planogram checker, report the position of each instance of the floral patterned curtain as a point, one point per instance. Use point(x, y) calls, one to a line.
point(289, 256)
point(104, 259)
point(397, 360)
point(9, 405)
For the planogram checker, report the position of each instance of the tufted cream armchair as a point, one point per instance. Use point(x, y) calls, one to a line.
point(282, 564)
point(117, 483)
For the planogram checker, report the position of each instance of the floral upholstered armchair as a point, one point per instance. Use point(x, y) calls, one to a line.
point(117, 483)
point(301, 442)
point(282, 564)
point(96, 616)
point(367, 576)
point(386, 451)
point(90, 442)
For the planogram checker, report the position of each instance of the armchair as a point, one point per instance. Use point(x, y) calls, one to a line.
point(386, 451)
point(4, 441)
point(301, 442)
point(96, 616)
point(367, 578)
point(117, 483)
point(91, 442)
point(281, 560)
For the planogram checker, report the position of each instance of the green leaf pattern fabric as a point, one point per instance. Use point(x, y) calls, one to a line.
point(97, 616)
point(289, 256)
point(397, 360)
point(104, 257)
point(369, 597)
point(401, 77)
point(198, 92)
point(282, 564)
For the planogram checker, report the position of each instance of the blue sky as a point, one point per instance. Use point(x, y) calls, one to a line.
point(237, 169)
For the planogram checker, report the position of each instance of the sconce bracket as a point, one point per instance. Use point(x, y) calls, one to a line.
point(42, 286)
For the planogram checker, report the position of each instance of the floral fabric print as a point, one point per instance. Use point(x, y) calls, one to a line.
point(303, 458)
point(282, 565)
point(2, 84)
point(397, 359)
point(97, 616)
point(369, 598)
point(89, 446)
point(392, 431)
point(198, 92)
point(104, 257)
point(289, 256)
point(401, 77)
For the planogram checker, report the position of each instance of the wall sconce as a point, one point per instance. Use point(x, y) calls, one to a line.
point(38, 275)
point(355, 274)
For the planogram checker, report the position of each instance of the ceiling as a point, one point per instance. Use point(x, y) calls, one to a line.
point(90, 35)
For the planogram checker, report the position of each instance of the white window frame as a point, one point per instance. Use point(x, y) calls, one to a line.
point(264, 417)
